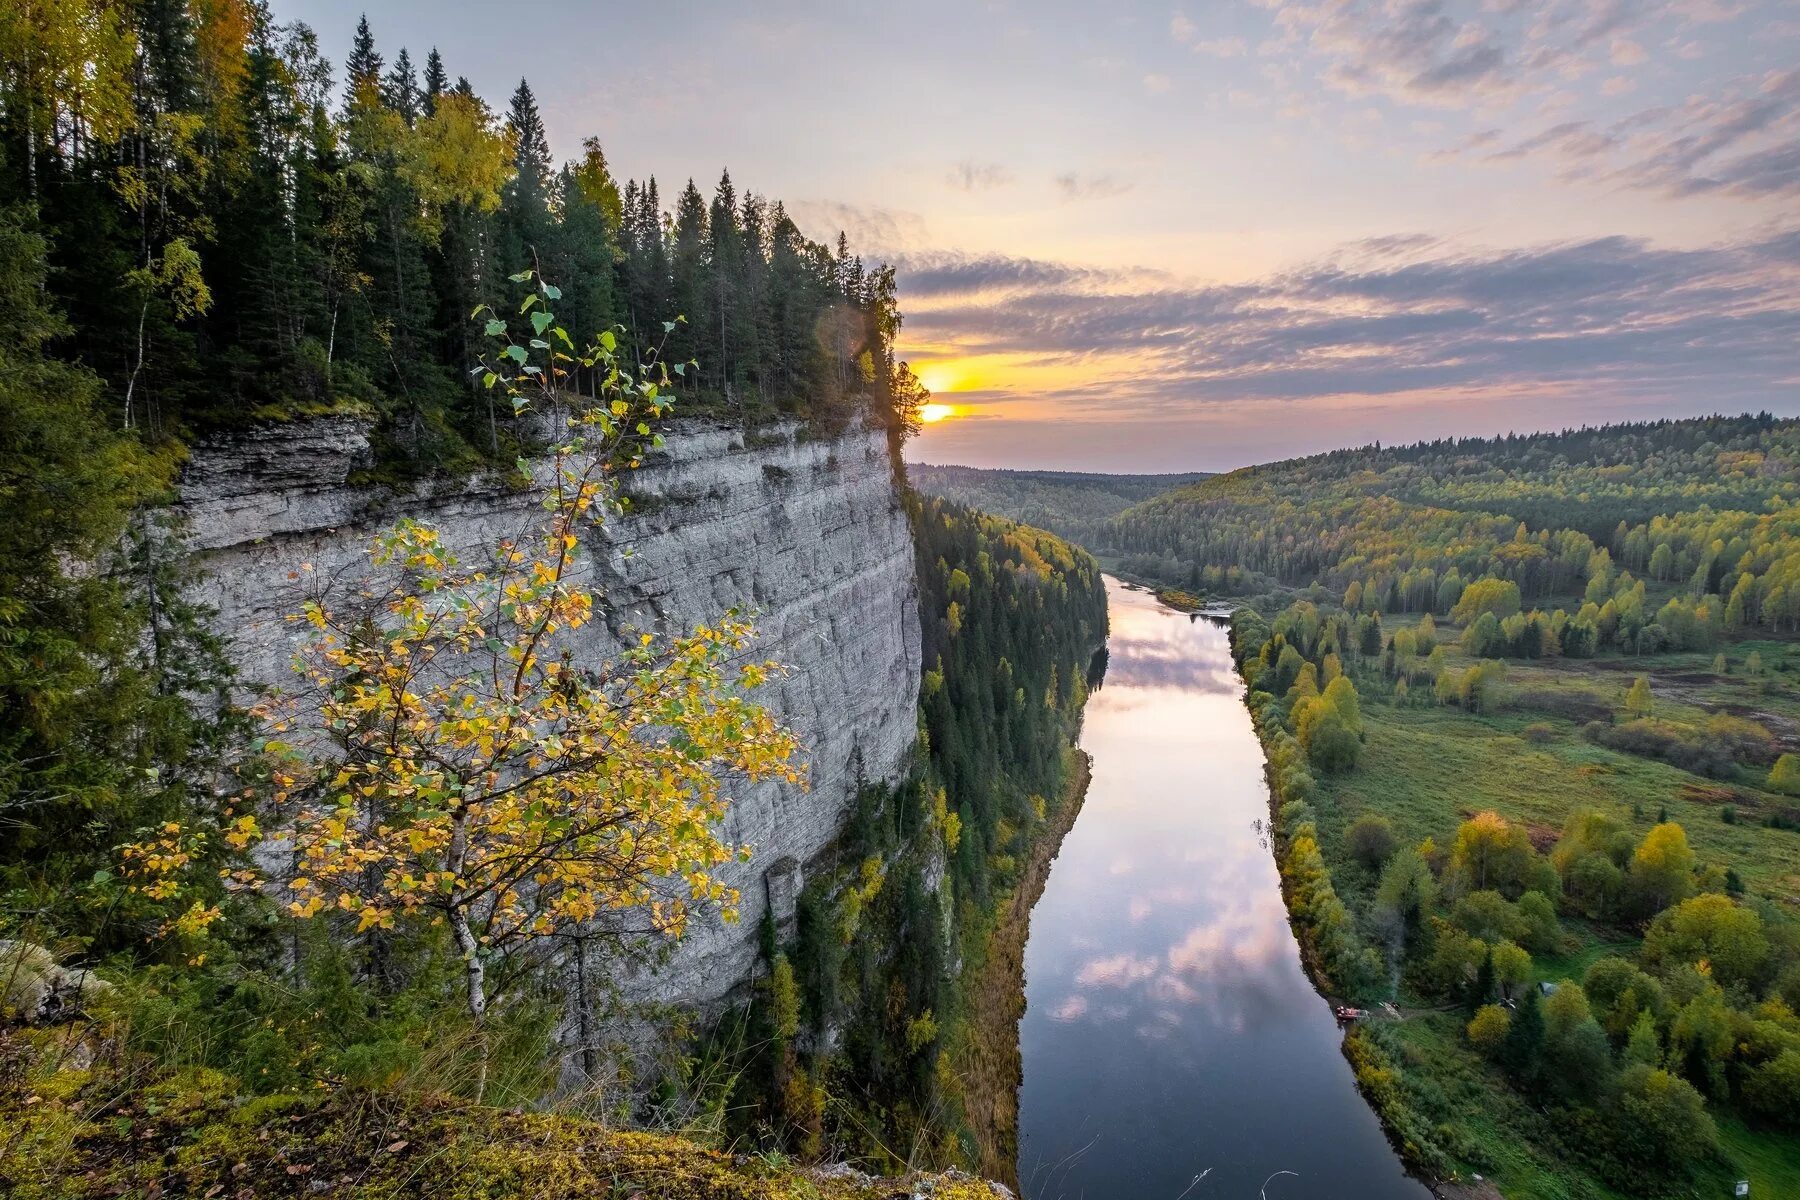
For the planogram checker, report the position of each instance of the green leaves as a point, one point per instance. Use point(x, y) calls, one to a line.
point(541, 321)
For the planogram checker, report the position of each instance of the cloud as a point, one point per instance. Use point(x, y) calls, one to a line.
point(965, 275)
point(1552, 70)
point(1225, 47)
point(1121, 970)
point(1157, 84)
point(1610, 319)
point(1076, 186)
point(876, 232)
point(1182, 29)
point(1409, 50)
point(1742, 140)
point(971, 176)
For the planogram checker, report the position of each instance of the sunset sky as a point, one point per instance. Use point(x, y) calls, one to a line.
point(1143, 237)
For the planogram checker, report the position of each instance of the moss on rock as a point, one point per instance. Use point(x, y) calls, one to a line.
point(114, 1131)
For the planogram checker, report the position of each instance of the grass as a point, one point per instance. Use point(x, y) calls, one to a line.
point(118, 1128)
point(1427, 768)
point(1766, 1158)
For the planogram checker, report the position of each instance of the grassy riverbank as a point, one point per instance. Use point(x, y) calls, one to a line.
point(1534, 760)
point(987, 1056)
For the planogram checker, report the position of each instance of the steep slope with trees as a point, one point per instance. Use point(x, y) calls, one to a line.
point(1072, 504)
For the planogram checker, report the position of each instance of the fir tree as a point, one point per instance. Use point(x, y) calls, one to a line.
point(531, 153)
point(436, 83)
point(400, 89)
point(1523, 1051)
point(363, 67)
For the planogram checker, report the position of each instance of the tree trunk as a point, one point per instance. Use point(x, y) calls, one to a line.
point(475, 979)
point(474, 970)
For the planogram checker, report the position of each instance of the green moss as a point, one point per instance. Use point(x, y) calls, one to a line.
point(72, 1135)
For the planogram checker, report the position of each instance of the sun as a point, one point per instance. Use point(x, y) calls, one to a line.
point(931, 414)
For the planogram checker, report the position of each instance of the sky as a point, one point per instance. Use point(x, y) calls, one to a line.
point(1144, 237)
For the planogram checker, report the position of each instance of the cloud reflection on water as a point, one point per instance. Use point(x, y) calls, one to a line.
point(1167, 1015)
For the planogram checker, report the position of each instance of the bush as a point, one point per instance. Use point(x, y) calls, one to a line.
point(1660, 1120)
point(1650, 738)
point(1372, 840)
point(1772, 1087)
point(1539, 733)
point(1785, 776)
point(1488, 1029)
point(1744, 739)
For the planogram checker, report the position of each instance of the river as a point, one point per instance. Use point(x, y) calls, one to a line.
point(1172, 1044)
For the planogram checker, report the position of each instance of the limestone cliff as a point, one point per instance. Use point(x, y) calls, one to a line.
point(809, 535)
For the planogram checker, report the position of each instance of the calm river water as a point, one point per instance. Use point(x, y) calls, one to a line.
point(1170, 1032)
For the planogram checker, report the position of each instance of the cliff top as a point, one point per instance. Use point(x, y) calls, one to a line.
point(114, 1129)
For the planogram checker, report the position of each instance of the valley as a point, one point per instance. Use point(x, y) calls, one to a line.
point(504, 692)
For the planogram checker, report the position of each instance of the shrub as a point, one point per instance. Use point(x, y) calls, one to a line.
point(1772, 1087)
point(1785, 776)
point(1650, 738)
point(1539, 733)
point(1488, 1029)
point(1372, 840)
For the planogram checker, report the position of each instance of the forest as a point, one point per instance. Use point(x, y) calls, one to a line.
point(1530, 712)
point(1072, 504)
point(233, 229)
point(1012, 618)
point(204, 226)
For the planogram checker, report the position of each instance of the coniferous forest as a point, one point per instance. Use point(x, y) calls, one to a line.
point(235, 227)
point(1528, 706)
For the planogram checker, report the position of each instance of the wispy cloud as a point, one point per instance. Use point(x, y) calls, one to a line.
point(1224, 47)
point(1742, 141)
point(1075, 185)
point(1606, 317)
point(972, 176)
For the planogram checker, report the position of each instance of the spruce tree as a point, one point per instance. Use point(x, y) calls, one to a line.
point(436, 82)
point(1523, 1051)
point(531, 153)
point(400, 89)
point(363, 67)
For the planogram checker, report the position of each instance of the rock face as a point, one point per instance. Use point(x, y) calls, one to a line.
point(808, 535)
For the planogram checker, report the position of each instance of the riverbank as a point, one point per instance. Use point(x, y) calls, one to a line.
point(992, 1068)
point(1321, 923)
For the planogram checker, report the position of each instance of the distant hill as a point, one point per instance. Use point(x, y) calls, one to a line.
point(1715, 495)
point(1073, 504)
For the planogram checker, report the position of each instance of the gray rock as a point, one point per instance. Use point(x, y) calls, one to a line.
point(809, 536)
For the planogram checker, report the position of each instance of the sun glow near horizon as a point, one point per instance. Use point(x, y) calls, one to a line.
point(934, 412)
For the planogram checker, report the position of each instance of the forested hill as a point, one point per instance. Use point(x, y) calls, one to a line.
point(1691, 501)
point(1074, 504)
point(237, 229)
